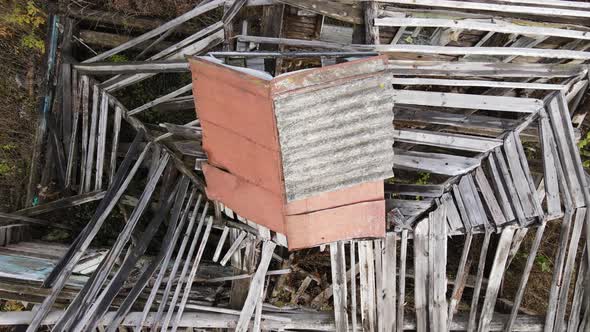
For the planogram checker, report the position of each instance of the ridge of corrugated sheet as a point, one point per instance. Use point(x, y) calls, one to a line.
point(337, 136)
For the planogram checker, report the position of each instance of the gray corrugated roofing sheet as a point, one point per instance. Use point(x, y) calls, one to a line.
point(337, 136)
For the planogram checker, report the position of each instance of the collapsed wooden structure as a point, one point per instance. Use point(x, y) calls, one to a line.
point(488, 99)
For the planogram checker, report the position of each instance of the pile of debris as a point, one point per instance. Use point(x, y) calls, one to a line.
point(304, 127)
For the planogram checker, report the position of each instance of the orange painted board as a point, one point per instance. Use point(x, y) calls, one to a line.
point(234, 100)
point(362, 220)
point(364, 192)
point(243, 158)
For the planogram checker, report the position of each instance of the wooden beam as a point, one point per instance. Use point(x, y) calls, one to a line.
point(502, 8)
point(458, 100)
point(472, 83)
point(446, 140)
point(198, 10)
point(493, 25)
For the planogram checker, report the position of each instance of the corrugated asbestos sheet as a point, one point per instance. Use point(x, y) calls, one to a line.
point(336, 136)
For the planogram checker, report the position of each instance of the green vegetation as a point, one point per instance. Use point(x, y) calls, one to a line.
point(28, 18)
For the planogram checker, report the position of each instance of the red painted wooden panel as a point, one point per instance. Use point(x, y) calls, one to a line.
point(362, 220)
point(364, 192)
point(234, 100)
point(243, 158)
point(249, 201)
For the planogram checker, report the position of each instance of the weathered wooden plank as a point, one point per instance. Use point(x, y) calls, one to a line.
point(159, 100)
point(461, 273)
point(408, 114)
point(66, 266)
point(179, 258)
point(132, 67)
point(481, 83)
point(493, 25)
point(234, 247)
point(102, 304)
point(198, 10)
point(437, 257)
point(565, 154)
point(408, 207)
point(193, 272)
point(352, 279)
point(426, 190)
point(256, 285)
point(472, 202)
point(371, 28)
point(569, 268)
point(462, 209)
point(529, 178)
point(86, 301)
point(510, 185)
point(387, 321)
point(524, 277)
point(143, 280)
point(458, 100)
point(490, 199)
point(446, 140)
point(335, 9)
point(115, 143)
point(401, 299)
point(500, 189)
point(421, 274)
point(21, 218)
point(490, 69)
point(558, 270)
point(452, 214)
point(338, 263)
point(483, 6)
point(495, 279)
point(434, 162)
point(101, 139)
point(579, 295)
point(518, 176)
point(62, 203)
point(479, 279)
point(220, 244)
point(366, 305)
point(92, 138)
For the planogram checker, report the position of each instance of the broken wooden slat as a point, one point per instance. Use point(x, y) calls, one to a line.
point(16, 217)
point(338, 263)
point(472, 202)
point(352, 279)
point(524, 277)
point(91, 138)
point(472, 83)
point(489, 198)
point(452, 214)
point(421, 275)
point(101, 140)
point(427, 190)
point(162, 28)
point(220, 244)
point(529, 178)
point(446, 140)
point(510, 185)
point(234, 247)
point(367, 306)
point(436, 163)
point(484, 6)
point(480, 270)
point(193, 272)
point(62, 203)
point(255, 286)
point(132, 67)
point(493, 25)
point(558, 269)
point(495, 279)
point(457, 100)
point(500, 189)
point(518, 176)
point(161, 99)
point(549, 167)
point(335, 9)
point(569, 268)
point(461, 273)
point(437, 258)
point(462, 209)
point(490, 69)
point(115, 143)
point(59, 279)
